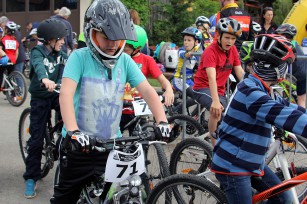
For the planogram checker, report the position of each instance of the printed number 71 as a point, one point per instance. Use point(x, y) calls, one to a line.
point(125, 167)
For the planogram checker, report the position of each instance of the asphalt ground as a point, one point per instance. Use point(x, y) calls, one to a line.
point(12, 166)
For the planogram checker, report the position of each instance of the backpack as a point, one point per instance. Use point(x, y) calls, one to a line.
point(166, 54)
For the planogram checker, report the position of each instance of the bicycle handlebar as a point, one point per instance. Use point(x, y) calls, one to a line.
point(101, 145)
point(8, 64)
point(56, 89)
point(127, 103)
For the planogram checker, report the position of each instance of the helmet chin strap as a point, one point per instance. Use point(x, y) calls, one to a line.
point(220, 44)
point(109, 63)
point(53, 48)
point(133, 53)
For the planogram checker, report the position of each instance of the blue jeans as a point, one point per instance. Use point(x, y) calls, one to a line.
point(238, 189)
point(19, 67)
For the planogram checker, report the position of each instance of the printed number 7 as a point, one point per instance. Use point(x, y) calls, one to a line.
point(125, 167)
point(145, 105)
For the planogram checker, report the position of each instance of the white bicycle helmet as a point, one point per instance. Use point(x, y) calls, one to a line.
point(11, 26)
point(256, 27)
point(229, 25)
point(200, 20)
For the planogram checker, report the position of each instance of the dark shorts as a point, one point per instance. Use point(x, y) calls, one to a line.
point(203, 97)
point(301, 87)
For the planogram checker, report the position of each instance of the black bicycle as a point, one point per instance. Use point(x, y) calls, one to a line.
point(133, 188)
point(52, 134)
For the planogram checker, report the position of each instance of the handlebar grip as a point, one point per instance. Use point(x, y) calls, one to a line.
point(157, 134)
point(57, 86)
point(8, 64)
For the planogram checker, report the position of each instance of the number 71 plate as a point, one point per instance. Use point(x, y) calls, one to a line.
point(121, 165)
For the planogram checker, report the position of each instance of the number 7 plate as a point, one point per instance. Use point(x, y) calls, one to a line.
point(141, 107)
point(121, 165)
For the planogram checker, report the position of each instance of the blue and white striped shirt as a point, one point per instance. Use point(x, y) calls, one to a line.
point(245, 132)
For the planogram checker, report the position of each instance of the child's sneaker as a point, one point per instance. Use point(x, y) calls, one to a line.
point(30, 188)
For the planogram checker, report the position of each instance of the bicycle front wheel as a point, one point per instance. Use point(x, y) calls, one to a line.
point(17, 92)
point(191, 156)
point(155, 161)
point(185, 188)
point(24, 132)
point(24, 137)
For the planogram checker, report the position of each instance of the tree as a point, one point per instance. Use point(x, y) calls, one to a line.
point(141, 6)
point(165, 20)
point(176, 15)
point(281, 10)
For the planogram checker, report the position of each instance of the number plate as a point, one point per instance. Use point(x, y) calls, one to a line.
point(10, 44)
point(141, 107)
point(121, 165)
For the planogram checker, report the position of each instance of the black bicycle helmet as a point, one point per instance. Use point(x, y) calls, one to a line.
point(51, 29)
point(271, 53)
point(113, 19)
point(272, 49)
point(287, 30)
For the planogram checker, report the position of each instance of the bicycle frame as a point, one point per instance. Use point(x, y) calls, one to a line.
point(284, 84)
point(288, 184)
point(277, 154)
point(5, 80)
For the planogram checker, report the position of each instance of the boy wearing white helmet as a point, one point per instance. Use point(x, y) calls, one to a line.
point(216, 64)
point(203, 25)
point(9, 42)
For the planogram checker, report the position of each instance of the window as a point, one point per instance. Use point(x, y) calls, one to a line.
point(15, 5)
point(39, 5)
point(71, 4)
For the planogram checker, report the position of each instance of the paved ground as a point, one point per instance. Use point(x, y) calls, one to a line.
point(12, 166)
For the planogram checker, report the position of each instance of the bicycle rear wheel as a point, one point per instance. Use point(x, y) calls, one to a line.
point(186, 188)
point(24, 138)
point(17, 94)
